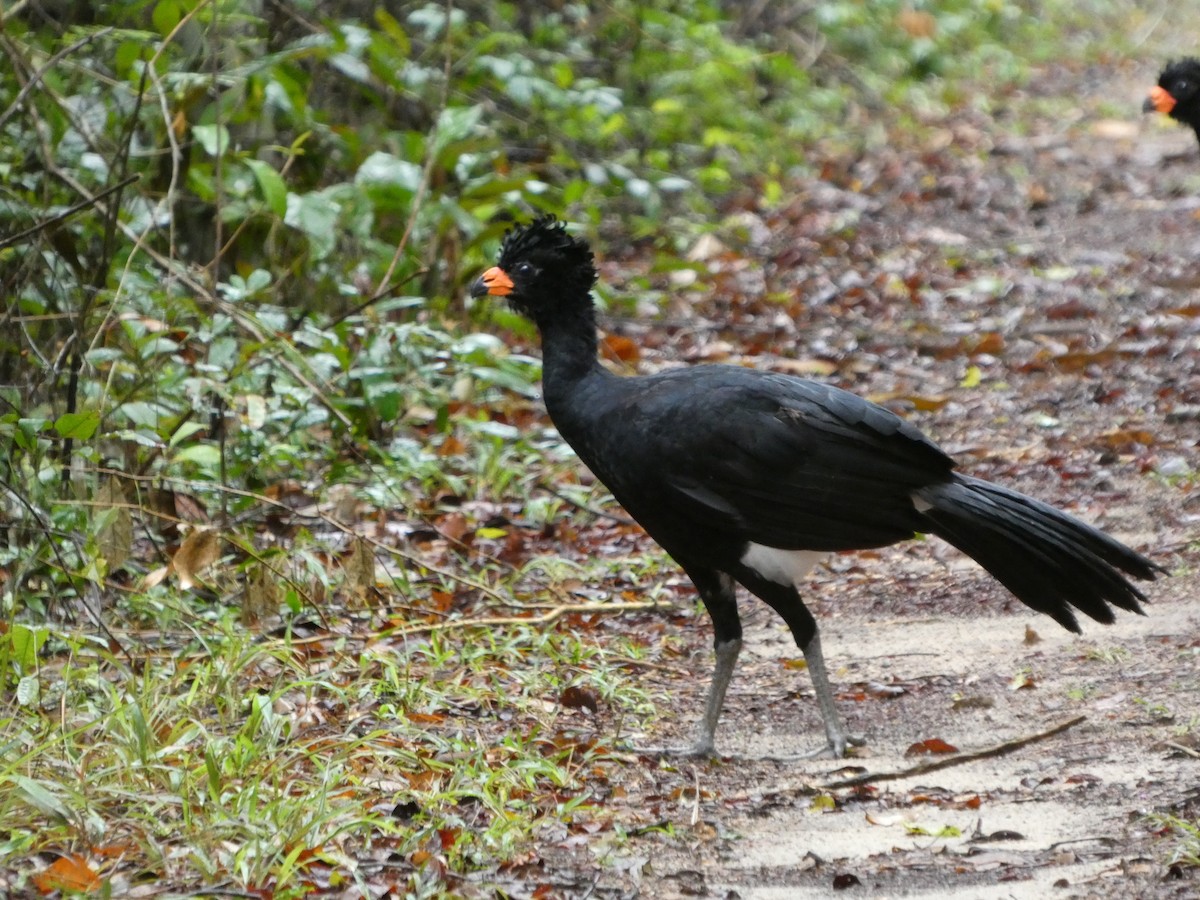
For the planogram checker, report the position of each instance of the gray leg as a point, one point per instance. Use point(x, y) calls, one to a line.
point(835, 732)
point(785, 600)
point(717, 590)
point(727, 654)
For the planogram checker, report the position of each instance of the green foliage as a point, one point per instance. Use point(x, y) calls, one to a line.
point(265, 787)
point(1184, 834)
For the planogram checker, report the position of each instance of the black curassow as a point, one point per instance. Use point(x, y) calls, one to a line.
point(749, 477)
point(1177, 93)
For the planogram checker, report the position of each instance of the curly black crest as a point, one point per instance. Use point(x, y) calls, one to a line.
point(546, 242)
point(1186, 68)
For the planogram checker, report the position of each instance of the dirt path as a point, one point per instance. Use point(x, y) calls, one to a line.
point(1067, 813)
point(1062, 267)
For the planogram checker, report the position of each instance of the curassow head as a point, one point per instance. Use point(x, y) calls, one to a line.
point(541, 270)
point(1177, 93)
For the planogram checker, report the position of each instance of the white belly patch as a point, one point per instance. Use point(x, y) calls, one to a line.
point(781, 566)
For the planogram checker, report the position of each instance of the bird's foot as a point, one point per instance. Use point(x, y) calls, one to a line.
point(834, 748)
point(698, 750)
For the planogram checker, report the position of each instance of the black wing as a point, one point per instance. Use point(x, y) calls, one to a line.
point(767, 458)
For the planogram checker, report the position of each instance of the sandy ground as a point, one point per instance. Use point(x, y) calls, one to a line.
point(1076, 801)
point(1067, 816)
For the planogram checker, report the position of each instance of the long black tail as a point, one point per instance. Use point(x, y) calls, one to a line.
point(1051, 561)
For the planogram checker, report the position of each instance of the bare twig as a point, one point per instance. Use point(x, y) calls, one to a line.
point(552, 615)
point(587, 508)
point(385, 286)
point(67, 213)
point(1182, 749)
point(958, 759)
point(383, 291)
point(547, 618)
point(696, 798)
point(50, 63)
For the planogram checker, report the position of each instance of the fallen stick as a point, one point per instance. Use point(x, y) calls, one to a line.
point(1181, 749)
point(957, 759)
point(553, 614)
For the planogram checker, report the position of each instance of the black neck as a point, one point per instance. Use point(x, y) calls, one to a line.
point(569, 346)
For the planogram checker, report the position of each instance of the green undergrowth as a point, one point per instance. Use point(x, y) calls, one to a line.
point(1183, 836)
point(282, 765)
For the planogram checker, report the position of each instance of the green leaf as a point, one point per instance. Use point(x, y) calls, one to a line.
point(166, 16)
point(41, 797)
point(140, 412)
point(77, 426)
point(823, 803)
point(143, 437)
point(393, 30)
point(185, 431)
point(972, 378)
point(455, 123)
point(271, 184)
point(259, 279)
point(212, 769)
point(128, 53)
point(573, 191)
point(27, 690)
point(205, 455)
point(385, 170)
point(385, 400)
point(26, 643)
point(352, 67)
point(27, 432)
point(316, 215)
point(213, 138)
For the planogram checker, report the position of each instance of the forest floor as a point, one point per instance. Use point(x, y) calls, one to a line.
point(1024, 287)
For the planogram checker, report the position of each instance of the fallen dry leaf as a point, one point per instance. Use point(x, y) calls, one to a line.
point(69, 874)
point(575, 697)
point(930, 747)
point(199, 550)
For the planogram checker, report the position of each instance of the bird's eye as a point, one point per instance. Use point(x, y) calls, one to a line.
point(524, 269)
point(1182, 86)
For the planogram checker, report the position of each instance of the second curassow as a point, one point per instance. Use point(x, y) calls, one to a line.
point(1177, 93)
point(748, 477)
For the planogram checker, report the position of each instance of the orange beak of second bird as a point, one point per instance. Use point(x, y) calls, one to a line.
point(494, 281)
point(1159, 100)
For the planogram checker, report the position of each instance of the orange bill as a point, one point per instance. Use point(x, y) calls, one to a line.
point(1161, 100)
point(497, 282)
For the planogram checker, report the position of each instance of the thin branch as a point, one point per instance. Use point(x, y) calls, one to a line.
point(68, 212)
point(383, 291)
point(1180, 748)
point(934, 765)
point(50, 63)
point(579, 504)
point(74, 579)
point(546, 618)
point(385, 286)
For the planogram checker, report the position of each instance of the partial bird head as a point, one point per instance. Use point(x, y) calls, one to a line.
point(541, 270)
point(1177, 93)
